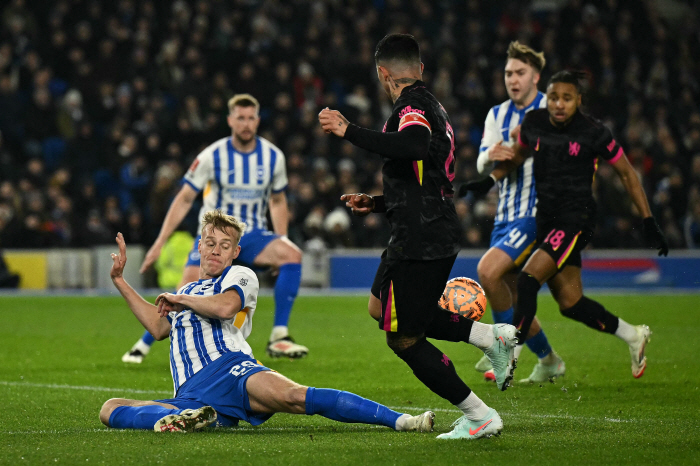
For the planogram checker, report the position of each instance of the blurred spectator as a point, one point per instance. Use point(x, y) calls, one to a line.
point(124, 95)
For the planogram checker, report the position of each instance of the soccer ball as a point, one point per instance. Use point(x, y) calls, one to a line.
point(465, 297)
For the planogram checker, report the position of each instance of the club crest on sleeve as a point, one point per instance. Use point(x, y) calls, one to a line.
point(243, 281)
point(193, 167)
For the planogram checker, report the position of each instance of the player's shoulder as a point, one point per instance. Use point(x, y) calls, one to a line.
point(218, 144)
point(268, 144)
point(241, 275)
point(500, 109)
point(417, 97)
point(536, 116)
point(541, 100)
point(591, 121)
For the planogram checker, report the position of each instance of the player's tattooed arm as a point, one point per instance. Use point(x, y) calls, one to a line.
point(332, 121)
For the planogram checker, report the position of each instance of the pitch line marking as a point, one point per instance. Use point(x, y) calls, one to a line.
point(82, 387)
point(395, 408)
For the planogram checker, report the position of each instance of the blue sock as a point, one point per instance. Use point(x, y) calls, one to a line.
point(139, 417)
point(148, 338)
point(286, 290)
point(348, 407)
point(539, 344)
point(503, 317)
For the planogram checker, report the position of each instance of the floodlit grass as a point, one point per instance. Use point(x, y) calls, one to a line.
point(60, 360)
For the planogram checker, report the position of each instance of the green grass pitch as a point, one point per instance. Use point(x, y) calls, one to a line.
point(60, 360)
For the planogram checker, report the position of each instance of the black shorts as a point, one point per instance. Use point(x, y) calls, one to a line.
point(564, 242)
point(409, 291)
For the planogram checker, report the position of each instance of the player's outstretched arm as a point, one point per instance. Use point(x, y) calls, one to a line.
point(222, 306)
point(279, 213)
point(412, 143)
point(144, 311)
point(176, 213)
point(501, 171)
point(652, 232)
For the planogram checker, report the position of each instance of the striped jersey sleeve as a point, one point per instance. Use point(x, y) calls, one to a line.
point(490, 137)
point(517, 195)
point(201, 170)
point(279, 170)
point(606, 145)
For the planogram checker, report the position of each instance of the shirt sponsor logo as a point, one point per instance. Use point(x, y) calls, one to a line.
point(239, 194)
point(410, 109)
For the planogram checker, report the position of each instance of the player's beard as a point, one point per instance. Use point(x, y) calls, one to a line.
point(242, 141)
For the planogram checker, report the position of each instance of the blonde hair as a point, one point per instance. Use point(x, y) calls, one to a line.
point(526, 55)
point(221, 221)
point(243, 100)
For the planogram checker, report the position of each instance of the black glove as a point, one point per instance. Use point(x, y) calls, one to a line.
point(654, 236)
point(479, 187)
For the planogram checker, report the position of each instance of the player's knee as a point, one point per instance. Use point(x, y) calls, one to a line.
point(567, 300)
point(487, 275)
point(294, 399)
point(528, 285)
point(289, 254)
point(572, 310)
point(108, 407)
point(399, 343)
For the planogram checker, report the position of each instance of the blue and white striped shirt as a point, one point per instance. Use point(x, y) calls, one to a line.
point(238, 183)
point(196, 341)
point(517, 197)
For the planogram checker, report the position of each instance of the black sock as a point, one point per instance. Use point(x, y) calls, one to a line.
point(593, 314)
point(526, 309)
point(435, 370)
point(448, 326)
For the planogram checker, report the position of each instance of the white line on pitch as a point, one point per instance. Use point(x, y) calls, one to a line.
point(83, 387)
point(396, 408)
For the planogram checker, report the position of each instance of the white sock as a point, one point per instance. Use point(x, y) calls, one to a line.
point(481, 336)
point(401, 422)
point(626, 332)
point(279, 332)
point(517, 351)
point(141, 346)
point(473, 407)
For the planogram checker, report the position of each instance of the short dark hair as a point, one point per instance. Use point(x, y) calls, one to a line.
point(397, 47)
point(571, 77)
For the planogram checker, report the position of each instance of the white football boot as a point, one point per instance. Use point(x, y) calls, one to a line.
point(639, 360)
point(189, 420)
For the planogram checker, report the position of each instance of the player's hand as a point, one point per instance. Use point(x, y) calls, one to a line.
point(478, 187)
point(500, 153)
point(119, 259)
point(654, 236)
point(515, 133)
point(169, 302)
point(332, 121)
point(361, 204)
point(151, 256)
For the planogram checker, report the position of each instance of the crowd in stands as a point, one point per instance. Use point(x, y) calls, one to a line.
point(103, 105)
